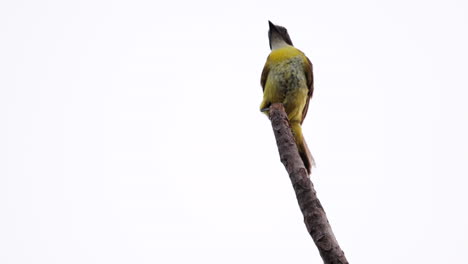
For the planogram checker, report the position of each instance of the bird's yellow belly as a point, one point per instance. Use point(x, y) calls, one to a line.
point(287, 84)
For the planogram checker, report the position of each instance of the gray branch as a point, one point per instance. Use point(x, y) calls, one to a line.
point(314, 215)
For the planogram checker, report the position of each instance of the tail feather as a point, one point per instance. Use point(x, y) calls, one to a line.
point(304, 151)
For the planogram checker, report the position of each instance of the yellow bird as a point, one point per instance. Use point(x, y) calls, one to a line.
point(287, 78)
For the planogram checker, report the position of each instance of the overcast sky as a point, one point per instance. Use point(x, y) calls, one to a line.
point(130, 131)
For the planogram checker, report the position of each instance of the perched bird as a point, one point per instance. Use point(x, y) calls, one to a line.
point(287, 78)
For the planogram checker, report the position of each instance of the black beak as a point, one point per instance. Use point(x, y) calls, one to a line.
point(272, 26)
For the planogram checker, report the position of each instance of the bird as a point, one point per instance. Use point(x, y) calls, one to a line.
point(287, 78)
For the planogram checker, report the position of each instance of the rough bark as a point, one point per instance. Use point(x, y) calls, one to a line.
point(314, 215)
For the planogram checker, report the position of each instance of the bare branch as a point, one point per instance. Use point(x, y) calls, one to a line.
point(314, 215)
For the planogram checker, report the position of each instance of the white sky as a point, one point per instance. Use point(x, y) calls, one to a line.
point(130, 131)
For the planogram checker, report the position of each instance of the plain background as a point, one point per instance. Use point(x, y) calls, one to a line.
point(130, 131)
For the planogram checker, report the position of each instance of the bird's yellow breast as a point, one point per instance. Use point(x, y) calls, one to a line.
point(283, 54)
point(286, 82)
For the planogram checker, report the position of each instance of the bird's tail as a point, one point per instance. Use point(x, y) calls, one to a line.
point(304, 151)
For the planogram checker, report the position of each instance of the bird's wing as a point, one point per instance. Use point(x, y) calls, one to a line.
point(265, 72)
point(310, 84)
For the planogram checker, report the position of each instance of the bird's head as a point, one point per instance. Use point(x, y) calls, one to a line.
point(278, 36)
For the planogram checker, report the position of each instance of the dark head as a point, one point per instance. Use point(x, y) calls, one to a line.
point(278, 36)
